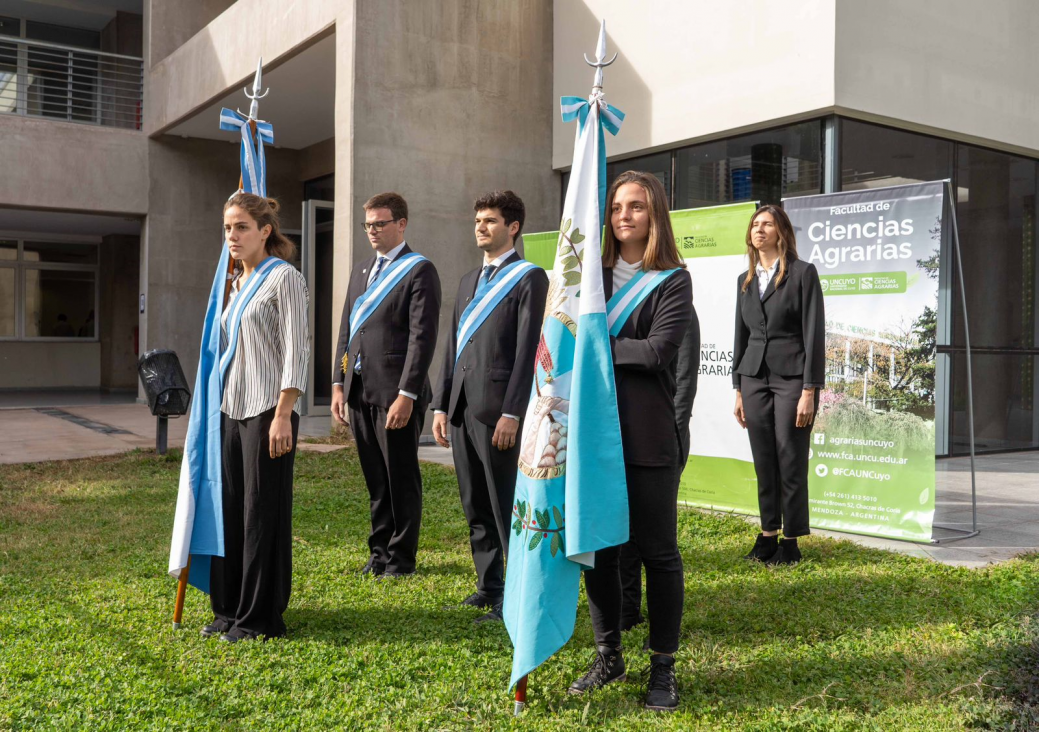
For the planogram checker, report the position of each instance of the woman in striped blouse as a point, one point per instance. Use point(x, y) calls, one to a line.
point(265, 350)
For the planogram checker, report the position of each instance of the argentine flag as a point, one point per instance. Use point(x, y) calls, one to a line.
point(571, 498)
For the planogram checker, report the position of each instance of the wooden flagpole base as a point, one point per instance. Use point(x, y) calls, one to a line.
point(521, 697)
point(182, 588)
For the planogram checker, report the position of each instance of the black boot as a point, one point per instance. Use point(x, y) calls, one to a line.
point(788, 553)
point(764, 548)
point(662, 690)
point(607, 667)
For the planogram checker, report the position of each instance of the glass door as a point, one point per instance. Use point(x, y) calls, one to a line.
point(318, 265)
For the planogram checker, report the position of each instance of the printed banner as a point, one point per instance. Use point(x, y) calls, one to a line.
point(872, 461)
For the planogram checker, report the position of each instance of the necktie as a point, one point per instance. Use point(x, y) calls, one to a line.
point(485, 278)
point(379, 264)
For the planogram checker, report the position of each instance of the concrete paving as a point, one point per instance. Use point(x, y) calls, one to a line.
point(1007, 485)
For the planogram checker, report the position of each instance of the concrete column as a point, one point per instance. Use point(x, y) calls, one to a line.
point(117, 318)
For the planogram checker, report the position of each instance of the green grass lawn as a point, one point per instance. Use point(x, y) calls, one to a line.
point(851, 639)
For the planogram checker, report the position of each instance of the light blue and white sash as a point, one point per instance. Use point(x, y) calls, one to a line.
point(254, 165)
point(372, 298)
point(488, 295)
point(625, 300)
point(234, 319)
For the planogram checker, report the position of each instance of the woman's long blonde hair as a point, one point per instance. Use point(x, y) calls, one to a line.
point(787, 243)
point(661, 252)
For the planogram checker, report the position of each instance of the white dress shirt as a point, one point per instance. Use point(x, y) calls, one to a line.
point(765, 276)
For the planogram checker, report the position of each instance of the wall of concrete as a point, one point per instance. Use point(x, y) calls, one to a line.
point(27, 365)
point(222, 54)
point(168, 25)
point(73, 167)
point(956, 68)
point(690, 70)
point(191, 182)
point(460, 103)
point(120, 263)
point(318, 160)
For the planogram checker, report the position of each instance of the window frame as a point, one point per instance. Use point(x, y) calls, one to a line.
point(21, 266)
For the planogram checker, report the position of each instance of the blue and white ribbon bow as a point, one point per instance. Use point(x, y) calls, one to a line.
point(254, 167)
point(577, 108)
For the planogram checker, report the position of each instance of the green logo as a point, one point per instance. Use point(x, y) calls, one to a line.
point(869, 283)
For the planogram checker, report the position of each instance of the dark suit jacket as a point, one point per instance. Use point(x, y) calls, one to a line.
point(785, 330)
point(644, 367)
point(496, 369)
point(687, 371)
point(397, 340)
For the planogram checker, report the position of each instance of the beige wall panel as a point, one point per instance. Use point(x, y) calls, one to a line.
point(62, 165)
point(960, 68)
point(690, 69)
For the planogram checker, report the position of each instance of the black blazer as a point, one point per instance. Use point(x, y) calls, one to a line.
point(496, 369)
point(785, 330)
point(397, 340)
point(687, 371)
point(644, 367)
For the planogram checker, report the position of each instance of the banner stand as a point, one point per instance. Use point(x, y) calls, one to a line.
point(973, 531)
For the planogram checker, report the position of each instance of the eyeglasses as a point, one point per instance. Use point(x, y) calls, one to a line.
point(377, 225)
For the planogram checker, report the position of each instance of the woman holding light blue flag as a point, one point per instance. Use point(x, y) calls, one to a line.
point(649, 309)
point(264, 351)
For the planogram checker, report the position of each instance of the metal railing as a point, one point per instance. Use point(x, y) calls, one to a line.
point(40, 79)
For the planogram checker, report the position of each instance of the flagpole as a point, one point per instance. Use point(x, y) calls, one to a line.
point(254, 108)
point(521, 696)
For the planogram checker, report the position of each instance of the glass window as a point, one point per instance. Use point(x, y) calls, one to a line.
point(762, 166)
point(874, 157)
point(37, 251)
point(8, 250)
point(1006, 402)
point(7, 302)
point(997, 211)
point(59, 303)
point(658, 164)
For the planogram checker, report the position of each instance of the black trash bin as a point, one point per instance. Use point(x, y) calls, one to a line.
point(166, 388)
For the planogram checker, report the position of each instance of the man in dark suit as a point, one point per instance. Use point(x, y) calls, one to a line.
point(485, 385)
point(393, 301)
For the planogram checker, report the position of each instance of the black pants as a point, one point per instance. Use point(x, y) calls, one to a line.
point(653, 511)
point(389, 461)
point(251, 583)
point(779, 448)
point(487, 486)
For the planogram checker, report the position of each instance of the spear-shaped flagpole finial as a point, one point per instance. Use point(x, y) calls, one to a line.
point(257, 95)
point(600, 58)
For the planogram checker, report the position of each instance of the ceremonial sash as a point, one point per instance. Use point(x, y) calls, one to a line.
point(372, 298)
point(488, 295)
point(234, 319)
point(624, 301)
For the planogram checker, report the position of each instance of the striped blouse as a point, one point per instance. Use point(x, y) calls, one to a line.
point(273, 345)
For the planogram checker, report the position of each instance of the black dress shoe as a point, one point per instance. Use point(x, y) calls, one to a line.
point(607, 667)
point(788, 554)
point(481, 601)
point(662, 689)
point(494, 616)
point(629, 623)
point(764, 548)
point(373, 567)
point(394, 574)
point(234, 636)
point(215, 628)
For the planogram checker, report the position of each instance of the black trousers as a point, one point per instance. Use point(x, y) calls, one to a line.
point(487, 486)
point(779, 448)
point(653, 512)
point(389, 461)
point(251, 583)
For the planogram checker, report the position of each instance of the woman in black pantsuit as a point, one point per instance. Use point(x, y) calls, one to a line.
point(639, 239)
point(265, 376)
point(779, 360)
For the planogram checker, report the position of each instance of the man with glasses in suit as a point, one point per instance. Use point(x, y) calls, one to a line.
point(386, 342)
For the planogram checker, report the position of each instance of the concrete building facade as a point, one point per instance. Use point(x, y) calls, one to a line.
point(444, 101)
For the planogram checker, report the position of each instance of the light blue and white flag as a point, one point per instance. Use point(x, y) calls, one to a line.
point(198, 525)
point(571, 497)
